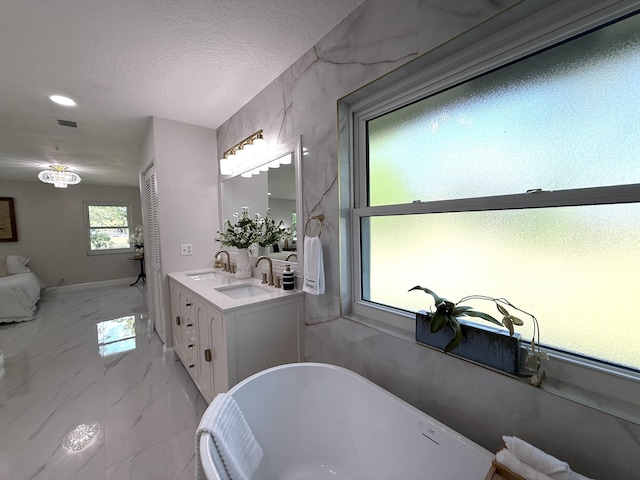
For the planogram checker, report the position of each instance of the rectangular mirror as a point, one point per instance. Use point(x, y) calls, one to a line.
point(273, 182)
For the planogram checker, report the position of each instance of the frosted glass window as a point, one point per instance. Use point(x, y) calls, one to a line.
point(564, 118)
point(574, 268)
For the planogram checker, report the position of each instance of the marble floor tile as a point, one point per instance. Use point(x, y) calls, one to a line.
point(172, 458)
point(91, 357)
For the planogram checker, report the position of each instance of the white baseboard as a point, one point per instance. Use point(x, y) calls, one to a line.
point(169, 354)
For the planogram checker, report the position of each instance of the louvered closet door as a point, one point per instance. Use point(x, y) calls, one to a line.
point(154, 275)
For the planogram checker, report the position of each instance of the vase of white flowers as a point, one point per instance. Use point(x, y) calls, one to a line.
point(137, 239)
point(248, 231)
point(241, 235)
point(270, 231)
point(243, 264)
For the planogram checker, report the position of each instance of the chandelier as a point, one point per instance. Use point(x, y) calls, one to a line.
point(59, 175)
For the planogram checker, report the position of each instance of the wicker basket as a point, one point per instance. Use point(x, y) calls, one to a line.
point(500, 472)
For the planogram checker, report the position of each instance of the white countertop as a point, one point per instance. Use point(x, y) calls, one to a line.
point(206, 288)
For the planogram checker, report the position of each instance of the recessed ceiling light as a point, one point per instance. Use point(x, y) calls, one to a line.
point(62, 100)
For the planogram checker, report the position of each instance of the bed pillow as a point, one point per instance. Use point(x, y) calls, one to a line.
point(3, 266)
point(17, 264)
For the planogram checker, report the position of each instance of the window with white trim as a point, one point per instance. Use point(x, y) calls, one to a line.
point(107, 226)
point(518, 180)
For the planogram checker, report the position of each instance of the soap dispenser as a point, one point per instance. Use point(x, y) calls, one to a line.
point(288, 279)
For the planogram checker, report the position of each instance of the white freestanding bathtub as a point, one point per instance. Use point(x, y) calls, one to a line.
point(316, 421)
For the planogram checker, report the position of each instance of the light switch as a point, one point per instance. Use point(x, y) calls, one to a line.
point(186, 249)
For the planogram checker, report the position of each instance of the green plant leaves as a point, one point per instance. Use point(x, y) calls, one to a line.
point(502, 310)
point(460, 310)
point(482, 315)
point(455, 341)
point(436, 298)
point(506, 321)
point(438, 321)
point(516, 320)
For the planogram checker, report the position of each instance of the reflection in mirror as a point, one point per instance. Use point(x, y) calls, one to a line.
point(273, 186)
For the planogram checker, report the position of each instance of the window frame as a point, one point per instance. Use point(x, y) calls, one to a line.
point(88, 227)
point(529, 29)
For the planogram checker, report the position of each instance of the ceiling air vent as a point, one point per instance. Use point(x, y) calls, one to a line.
point(67, 123)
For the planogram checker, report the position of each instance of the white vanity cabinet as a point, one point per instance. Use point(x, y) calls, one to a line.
point(211, 351)
point(222, 341)
point(183, 327)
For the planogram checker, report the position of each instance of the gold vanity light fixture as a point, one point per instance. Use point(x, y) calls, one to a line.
point(244, 153)
point(59, 176)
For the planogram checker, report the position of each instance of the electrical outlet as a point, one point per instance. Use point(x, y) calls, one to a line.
point(186, 249)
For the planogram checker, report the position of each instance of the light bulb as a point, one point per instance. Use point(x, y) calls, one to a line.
point(62, 100)
point(260, 146)
point(226, 166)
point(286, 160)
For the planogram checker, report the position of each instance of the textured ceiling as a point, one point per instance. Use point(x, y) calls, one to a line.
point(123, 61)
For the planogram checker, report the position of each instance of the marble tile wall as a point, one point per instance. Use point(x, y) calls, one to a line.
point(376, 38)
point(380, 36)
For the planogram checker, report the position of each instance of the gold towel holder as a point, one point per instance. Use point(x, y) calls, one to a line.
point(320, 218)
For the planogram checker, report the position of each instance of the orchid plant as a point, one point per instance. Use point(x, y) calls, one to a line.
point(449, 313)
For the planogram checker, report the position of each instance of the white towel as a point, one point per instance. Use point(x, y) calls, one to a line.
point(540, 461)
point(535, 457)
point(240, 452)
point(509, 460)
point(313, 266)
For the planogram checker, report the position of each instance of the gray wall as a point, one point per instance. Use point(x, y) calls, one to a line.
point(50, 223)
point(483, 405)
point(186, 168)
point(186, 172)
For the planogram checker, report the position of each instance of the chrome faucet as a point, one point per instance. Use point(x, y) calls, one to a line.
point(263, 257)
point(227, 266)
point(291, 255)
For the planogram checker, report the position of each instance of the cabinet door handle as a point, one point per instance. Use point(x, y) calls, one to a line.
point(177, 320)
point(189, 324)
point(190, 345)
point(187, 305)
point(207, 355)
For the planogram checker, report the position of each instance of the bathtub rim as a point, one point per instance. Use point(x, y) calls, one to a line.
point(206, 442)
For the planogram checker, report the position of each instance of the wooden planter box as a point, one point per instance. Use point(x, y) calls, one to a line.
point(483, 344)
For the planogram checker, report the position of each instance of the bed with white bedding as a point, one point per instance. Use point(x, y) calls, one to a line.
point(19, 290)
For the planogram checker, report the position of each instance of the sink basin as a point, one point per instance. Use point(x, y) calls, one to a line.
point(245, 290)
point(202, 276)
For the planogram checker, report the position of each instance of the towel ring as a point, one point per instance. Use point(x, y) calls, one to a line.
point(320, 219)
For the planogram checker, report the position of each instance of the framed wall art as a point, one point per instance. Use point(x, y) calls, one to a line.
point(8, 231)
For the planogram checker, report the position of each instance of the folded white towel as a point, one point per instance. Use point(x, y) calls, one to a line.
point(240, 452)
point(541, 461)
point(535, 457)
point(313, 266)
point(576, 476)
point(509, 460)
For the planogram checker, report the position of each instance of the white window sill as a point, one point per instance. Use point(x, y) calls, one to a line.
point(603, 387)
